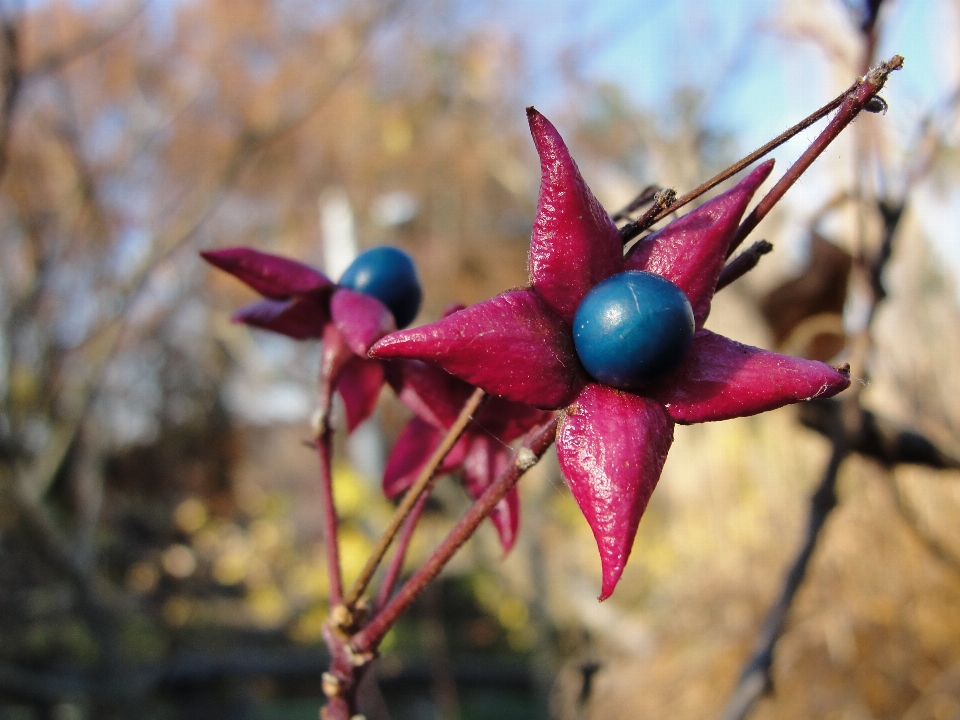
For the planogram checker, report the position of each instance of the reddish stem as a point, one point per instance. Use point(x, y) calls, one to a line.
point(335, 354)
point(418, 488)
point(853, 104)
point(534, 446)
point(322, 442)
point(403, 542)
point(743, 263)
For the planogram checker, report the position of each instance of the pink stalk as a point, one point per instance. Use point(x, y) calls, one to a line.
point(403, 542)
point(413, 495)
point(853, 104)
point(322, 442)
point(534, 446)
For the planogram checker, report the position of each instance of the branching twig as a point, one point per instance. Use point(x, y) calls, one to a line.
point(877, 438)
point(894, 64)
point(755, 680)
point(743, 263)
point(411, 497)
point(853, 103)
point(938, 549)
point(535, 444)
point(846, 424)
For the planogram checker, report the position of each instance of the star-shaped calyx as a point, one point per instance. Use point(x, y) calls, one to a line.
point(303, 303)
point(482, 452)
point(612, 442)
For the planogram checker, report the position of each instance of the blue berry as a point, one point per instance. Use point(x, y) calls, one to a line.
point(388, 275)
point(632, 328)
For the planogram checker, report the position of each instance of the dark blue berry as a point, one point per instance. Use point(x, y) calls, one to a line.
point(388, 275)
point(632, 328)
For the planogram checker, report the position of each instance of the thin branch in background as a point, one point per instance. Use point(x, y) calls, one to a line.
point(944, 553)
point(756, 679)
point(84, 46)
point(877, 438)
point(12, 81)
point(890, 213)
point(113, 328)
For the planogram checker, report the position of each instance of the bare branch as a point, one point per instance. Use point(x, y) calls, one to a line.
point(938, 549)
point(12, 82)
point(877, 438)
point(84, 46)
point(756, 679)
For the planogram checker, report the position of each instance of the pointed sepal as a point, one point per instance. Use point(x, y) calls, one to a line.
point(722, 379)
point(692, 249)
point(574, 244)
point(272, 276)
point(612, 446)
point(513, 346)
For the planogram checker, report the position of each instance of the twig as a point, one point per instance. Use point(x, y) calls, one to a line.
point(396, 563)
point(756, 680)
point(411, 497)
point(743, 263)
point(853, 103)
point(938, 549)
point(637, 228)
point(645, 197)
point(532, 449)
point(661, 200)
point(13, 80)
point(877, 438)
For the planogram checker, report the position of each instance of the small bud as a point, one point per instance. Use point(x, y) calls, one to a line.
point(665, 198)
point(331, 685)
point(341, 616)
point(525, 459)
point(358, 658)
point(318, 422)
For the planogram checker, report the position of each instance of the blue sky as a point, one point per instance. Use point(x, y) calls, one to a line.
point(756, 76)
point(758, 79)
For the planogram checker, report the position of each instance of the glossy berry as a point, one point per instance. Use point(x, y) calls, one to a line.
point(632, 328)
point(388, 275)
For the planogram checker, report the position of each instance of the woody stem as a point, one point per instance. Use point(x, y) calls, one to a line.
point(631, 230)
point(396, 562)
point(323, 443)
point(413, 494)
point(854, 101)
point(535, 444)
